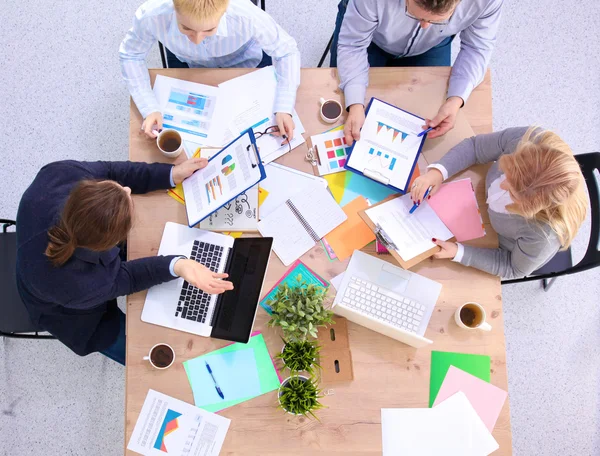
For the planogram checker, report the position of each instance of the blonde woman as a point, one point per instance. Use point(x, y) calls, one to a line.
point(535, 194)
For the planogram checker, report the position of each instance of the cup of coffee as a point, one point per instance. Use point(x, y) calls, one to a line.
point(170, 143)
point(161, 356)
point(471, 316)
point(331, 110)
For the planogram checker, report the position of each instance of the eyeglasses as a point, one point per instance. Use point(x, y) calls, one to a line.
point(269, 131)
point(444, 22)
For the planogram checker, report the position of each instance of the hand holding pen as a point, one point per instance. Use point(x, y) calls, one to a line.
point(432, 179)
point(417, 204)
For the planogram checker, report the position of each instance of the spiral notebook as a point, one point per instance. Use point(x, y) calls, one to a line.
point(300, 222)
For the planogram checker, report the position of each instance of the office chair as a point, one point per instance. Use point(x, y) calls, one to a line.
point(163, 52)
point(562, 262)
point(327, 49)
point(14, 320)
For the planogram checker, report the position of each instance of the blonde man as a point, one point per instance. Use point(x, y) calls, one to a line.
point(209, 34)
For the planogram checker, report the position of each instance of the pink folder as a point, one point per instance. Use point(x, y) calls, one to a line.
point(486, 399)
point(456, 205)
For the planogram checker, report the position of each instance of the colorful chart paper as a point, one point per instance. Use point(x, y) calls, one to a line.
point(332, 151)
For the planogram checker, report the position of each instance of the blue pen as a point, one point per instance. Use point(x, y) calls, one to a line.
point(416, 205)
point(424, 131)
point(215, 381)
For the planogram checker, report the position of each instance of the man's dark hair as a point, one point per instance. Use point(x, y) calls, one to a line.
point(437, 6)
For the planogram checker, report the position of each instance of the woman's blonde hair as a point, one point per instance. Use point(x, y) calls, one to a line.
point(546, 183)
point(201, 9)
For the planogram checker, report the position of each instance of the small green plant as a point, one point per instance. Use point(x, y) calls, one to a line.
point(300, 356)
point(300, 395)
point(299, 310)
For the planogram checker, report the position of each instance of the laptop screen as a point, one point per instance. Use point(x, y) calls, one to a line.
point(235, 311)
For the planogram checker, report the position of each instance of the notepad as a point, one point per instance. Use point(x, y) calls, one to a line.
point(455, 204)
point(300, 222)
point(354, 233)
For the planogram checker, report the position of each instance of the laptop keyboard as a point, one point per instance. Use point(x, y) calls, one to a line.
point(194, 303)
point(369, 299)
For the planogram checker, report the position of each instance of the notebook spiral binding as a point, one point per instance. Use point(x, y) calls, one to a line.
point(303, 221)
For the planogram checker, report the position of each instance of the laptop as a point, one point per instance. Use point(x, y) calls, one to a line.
point(387, 299)
point(230, 315)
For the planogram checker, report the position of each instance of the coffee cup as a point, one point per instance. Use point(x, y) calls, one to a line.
point(161, 356)
point(471, 315)
point(331, 110)
point(170, 143)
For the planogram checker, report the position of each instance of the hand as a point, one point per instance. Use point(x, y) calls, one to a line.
point(448, 249)
point(184, 170)
point(286, 126)
point(202, 277)
point(154, 118)
point(432, 178)
point(443, 122)
point(354, 122)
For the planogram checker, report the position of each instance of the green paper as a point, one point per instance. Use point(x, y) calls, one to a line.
point(269, 379)
point(477, 365)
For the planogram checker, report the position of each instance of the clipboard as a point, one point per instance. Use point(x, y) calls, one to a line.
point(374, 175)
point(195, 216)
point(388, 243)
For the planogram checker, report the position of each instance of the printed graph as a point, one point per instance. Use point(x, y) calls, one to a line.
point(337, 153)
point(169, 425)
point(212, 186)
point(396, 133)
point(230, 166)
point(382, 159)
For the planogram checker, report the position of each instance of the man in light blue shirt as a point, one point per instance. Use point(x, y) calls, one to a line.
point(413, 33)
point(209, 34)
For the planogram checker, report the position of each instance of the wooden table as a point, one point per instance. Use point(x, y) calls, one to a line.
point(387, 373)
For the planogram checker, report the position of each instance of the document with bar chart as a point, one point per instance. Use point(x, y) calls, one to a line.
point(389, 147)
point(229, 173)
point(169, 426)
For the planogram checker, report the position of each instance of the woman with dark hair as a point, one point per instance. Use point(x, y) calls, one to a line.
point(70, 222)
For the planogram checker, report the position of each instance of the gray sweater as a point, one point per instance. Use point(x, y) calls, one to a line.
point(525, 245)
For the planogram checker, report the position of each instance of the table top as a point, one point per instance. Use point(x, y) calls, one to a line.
point(387, 373)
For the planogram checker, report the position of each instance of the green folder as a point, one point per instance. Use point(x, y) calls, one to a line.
point(267, 374)
point(477, 365)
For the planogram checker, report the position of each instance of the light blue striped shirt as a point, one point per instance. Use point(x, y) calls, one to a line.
point(244, 32)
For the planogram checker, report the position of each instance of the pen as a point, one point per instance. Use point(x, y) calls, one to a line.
point(416, 205)
point(213, 379)
point(424, 131)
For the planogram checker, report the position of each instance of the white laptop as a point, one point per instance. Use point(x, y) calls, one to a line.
point(230, 315)
point(387, 299)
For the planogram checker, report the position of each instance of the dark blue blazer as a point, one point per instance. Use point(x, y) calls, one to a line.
point(77, 301)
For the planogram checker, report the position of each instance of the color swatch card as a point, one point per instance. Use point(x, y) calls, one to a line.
point(291, 279)
point(239, 214)
point(477, 365)
point(455, 204)
point(331, 151)
point(486, 399)
point(239, 368)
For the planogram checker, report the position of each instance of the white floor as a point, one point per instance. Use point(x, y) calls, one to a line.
point(62, 97)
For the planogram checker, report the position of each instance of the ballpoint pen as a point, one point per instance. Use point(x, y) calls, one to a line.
point(215, 381)
point(416, 205)
point(424, 131)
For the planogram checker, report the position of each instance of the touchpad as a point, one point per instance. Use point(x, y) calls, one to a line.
point(393, 279)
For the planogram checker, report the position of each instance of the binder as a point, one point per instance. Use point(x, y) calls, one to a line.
point(372, 173)
point(229, 172)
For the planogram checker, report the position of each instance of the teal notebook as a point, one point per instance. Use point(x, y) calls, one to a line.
point(289, 278)
point(268, 377)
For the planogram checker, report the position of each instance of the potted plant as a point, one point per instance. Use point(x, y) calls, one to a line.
point(299, 310)
point(299, 395)
point(300, 355)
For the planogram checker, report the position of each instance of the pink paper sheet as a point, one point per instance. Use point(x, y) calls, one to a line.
point(456, 205)
point(486, 399)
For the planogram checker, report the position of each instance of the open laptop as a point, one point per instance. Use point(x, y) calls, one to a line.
point(387, 299)
point(230, 315)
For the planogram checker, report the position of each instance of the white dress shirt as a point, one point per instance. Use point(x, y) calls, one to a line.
point(244, 32)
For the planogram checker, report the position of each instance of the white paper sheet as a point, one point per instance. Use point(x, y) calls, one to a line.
point(240, 214)
point(388, 144)
point(337, 280)
point(169, 426)
point(411, 233)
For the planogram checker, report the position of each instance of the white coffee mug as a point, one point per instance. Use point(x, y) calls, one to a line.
point(478, 313)
point(149, 357)
point(167, 136)
point(326, 105)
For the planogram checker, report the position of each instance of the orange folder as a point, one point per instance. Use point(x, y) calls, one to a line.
point(354, 233)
